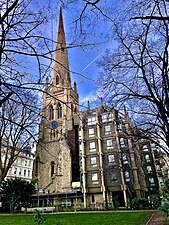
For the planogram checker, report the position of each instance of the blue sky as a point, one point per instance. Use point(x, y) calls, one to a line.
point(83, 60)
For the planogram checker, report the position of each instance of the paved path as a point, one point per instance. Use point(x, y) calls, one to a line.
point(157, 219)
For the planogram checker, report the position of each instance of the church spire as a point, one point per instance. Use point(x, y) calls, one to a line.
point(61, 76)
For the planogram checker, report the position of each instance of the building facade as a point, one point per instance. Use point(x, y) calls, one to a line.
point(90, 157)
point(115, 165)
point(23, 165)
point(57, 161)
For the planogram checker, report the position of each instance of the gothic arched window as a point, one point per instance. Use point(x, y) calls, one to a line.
point(57, 80)
point(50, 135)
point(51, 116)
point(52, 169)
point(72, 109)
point(59, 111)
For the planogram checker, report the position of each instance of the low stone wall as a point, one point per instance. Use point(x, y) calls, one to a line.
point(40, 209)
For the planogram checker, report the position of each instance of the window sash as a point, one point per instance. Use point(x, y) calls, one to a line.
point(151, 180)
point(149, 168)
point(91, 131)
point(111, 158)
point(93, 161)
point(95, 178)
point(107, 117)
point(91, 120)
point(122, 143)
point(113, 177)
point(92, 146)
point(107, 129)
point(109, 143)
point(147, 158)
point(145, 148)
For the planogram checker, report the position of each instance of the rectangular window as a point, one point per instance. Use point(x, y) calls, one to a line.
point(109, 144)
point(91, 132)
point(93, 161)
point(151, 180)
point(125, 159)
point(111, 159)
point(127, 176)
point(113, 177)
point(120, 127)
point(80, 133)
point(122, 143)
point(95, 178)
point(158, 168)
point(21, 161)
point(161, 179)
point(107, 117)
point(149, 169)
point(92, 146)
point(145, 148)
point(147, 158)
point(104, 118)
point(107, 129)
point(91, 120)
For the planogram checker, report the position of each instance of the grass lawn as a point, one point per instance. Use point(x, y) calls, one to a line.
point(106, 218)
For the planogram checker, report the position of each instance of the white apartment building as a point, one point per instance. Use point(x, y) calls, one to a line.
point(23, 166)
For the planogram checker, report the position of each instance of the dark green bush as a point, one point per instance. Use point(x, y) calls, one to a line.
point(155, 201)
point(165, 208)
point(140, 203)
point(38, 217)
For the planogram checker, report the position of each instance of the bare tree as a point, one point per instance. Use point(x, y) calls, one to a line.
point(26, 58)
point(18, 129)
point(23, 46)
point(136, 73)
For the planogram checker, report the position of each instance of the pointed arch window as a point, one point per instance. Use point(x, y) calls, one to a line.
point(50, 135)
point(59, 111)
point(51, 116)
point(57, 80)
point(52, 168)
point(72, 109)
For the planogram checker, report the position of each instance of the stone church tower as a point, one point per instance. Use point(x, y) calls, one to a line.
point(57, 161)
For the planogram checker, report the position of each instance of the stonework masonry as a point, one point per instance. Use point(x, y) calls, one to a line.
point(90, 158)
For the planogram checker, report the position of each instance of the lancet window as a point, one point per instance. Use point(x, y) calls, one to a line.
point(51, 117)
point(57, 80)
point(59, 111)
point(52, 168)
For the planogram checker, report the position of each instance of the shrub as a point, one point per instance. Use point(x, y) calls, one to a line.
point(140, 203)
point(165, 208)
point(155, 201)
point(38, 217)
point(58, 223)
